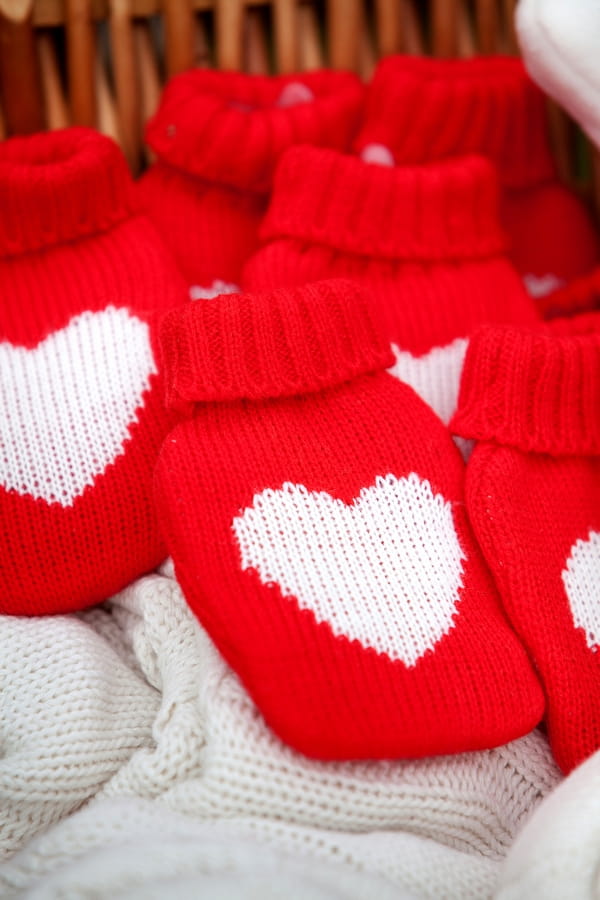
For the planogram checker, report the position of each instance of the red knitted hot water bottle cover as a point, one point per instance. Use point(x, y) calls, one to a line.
point(313, 507)
point(532, 401)
point(424, 241)
point(217, 137)
point(83, 280)
point(420, 109)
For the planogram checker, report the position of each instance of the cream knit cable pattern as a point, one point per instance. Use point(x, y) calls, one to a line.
point(436, 827)
point(73, 709)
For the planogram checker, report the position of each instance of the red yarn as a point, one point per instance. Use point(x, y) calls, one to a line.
point(217, 137)
point(423, 109)
point(313, 507)
point(532, 400)
point(83, 279)
point(424, 241)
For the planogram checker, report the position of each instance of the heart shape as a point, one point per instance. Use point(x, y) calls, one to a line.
point(69, 402)
point(581, 579)
point(385, 570)
point(434, 376)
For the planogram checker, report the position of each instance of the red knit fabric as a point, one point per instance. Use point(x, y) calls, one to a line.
point(83, 279)
point(532, 400)
point(579, 296)
point(217, 137)
point(313, 507)
point(424, 240)
point(423, 109)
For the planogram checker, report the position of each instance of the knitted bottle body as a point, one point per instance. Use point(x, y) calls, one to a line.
point(84, 282)
point(533, 493)
point(419, 110)
point(217, 137)
point(327, 554)
point(424, 242)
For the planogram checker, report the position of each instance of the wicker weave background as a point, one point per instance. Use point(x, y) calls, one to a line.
point(103, 62)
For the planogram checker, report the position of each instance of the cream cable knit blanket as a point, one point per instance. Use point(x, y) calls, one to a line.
point(129, 710)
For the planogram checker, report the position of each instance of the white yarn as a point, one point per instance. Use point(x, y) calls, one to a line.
point(436, 827)
point(434, 376)
point(581, 578)
point(294, 93)
point(377, 155)
point(385, 570)
point(541, 285)
point(71, 713)
point(215, 289)
point(557, 855)
point(215, 759)
point(559, 43)
point(68, 403)
point(137, 848)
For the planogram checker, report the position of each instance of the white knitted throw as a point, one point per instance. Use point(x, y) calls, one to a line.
point(437, 827)
point(73, 708)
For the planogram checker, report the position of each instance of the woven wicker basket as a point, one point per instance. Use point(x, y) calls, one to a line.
point(103, 62)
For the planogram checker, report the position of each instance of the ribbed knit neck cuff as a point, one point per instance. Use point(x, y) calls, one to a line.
point(424, 109)
point(440, 211)
point(231, 128)
point(58, 186)
point(267, 345)
point(536, 391)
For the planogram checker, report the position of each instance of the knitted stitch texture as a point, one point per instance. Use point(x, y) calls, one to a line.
point(323, 545)
point(73, 708)
point(434, 827)
point(217, 137)
point(424, 241)
point(83, 280)
point(420, 109)
point(556, 854)
point(531, 399)
point(132, 848)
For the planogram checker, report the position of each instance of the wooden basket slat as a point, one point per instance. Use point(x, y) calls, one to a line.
point(487, 20)
point(229, 33)
point(118, 54)
point(285, 35)
point(125, 65)
point(178, 35)
point(444, 16)
point(81, 65)
point(56, 106)
point(309, 39)
point(255, 52)
point(20, 77)
point(413, 37)
point(107, 113)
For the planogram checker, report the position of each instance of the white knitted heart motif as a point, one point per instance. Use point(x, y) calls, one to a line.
point(581, 578)
point(434, 376)
point(69, 402)
point(385, 570)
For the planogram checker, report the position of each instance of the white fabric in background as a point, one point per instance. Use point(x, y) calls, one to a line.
point(430, 828)
point(559, 41)
point(557, 855)
point(137, 848)
point(214, 757)
point(73, 708)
